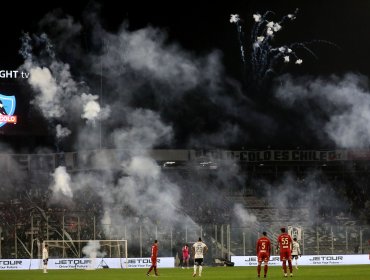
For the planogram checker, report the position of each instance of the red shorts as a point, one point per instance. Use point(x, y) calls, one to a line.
point(263, 257)
point(186, 257)
point(154, 261)
point(285, 255)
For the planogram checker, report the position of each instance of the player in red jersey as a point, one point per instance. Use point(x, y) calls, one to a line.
point(154, 258)
point(185, 256)
point(263, 250)
point(285, 246)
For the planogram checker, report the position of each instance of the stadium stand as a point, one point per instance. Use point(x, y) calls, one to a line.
point(26, 216)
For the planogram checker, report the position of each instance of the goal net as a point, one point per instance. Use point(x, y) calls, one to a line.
point(96, 250)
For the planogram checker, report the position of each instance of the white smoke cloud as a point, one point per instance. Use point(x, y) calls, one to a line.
point(344, 100)
point(61, 187)
point(143, 167)
point(243, 216)
point(42, 81)
point(146, 52)
point(143, 183)
point(92, 250)
point(57, 94)
point(129, 62)
point(144, 130)
point(62, 131)
point(92, 109)
point(106, 222)
point(307, 196)
point(12, 182)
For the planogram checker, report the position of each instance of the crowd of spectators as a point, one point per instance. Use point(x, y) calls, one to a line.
point(28, 216)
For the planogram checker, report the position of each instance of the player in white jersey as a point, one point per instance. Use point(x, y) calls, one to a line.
point(296, 251)
point(45, 258)
point(199, 249)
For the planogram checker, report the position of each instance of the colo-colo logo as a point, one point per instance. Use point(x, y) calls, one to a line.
point(7, 108)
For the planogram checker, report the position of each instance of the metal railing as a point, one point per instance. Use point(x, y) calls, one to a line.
point(22, 238)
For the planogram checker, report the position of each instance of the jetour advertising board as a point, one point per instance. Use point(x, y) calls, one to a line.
point(86, 263)
point(306, 260)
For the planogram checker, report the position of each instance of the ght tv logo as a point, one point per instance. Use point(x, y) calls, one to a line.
point(7, 108)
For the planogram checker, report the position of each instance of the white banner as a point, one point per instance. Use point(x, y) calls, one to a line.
point(85, 263)
point(275, 155)
point(306, 260)
point(12, 264)
point(334, 259)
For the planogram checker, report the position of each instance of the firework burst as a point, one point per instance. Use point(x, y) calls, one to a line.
point(266, 60)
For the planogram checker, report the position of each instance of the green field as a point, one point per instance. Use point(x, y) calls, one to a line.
point(357, 272)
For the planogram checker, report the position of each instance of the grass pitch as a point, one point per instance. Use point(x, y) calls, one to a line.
point(358, 272)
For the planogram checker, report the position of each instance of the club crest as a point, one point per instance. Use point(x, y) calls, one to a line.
point(7, 108)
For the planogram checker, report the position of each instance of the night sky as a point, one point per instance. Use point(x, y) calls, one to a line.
point(200, 28)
